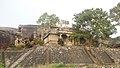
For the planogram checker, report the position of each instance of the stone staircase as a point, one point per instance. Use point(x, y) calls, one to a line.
point(92, 56)
point(99, 57)
point(13, 59)
point(103, 57)
point(20, 59)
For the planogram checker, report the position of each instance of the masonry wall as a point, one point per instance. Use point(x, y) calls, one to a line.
point(12, 56)
point(52, 38)
point(66, 54)
point(114, 53)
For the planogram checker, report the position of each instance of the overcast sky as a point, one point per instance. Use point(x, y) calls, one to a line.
point(15, 12)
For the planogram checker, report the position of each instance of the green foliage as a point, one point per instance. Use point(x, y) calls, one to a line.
point(12, 45)
point(115, 13)
point(58, 65)
point(1, 64)
point(20, 46)
point(38, 41)
point(92, 24)
point(46, 19)
point(61, 65)
point(80, 34)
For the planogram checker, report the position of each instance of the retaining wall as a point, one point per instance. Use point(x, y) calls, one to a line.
point(66, 54)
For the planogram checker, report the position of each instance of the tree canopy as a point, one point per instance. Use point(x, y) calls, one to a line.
point(46, 19)
point(92, 24)
point(115, 13)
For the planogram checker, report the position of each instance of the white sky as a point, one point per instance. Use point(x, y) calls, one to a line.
point(15, 12)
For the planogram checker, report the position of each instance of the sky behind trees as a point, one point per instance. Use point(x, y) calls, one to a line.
point(15, 12)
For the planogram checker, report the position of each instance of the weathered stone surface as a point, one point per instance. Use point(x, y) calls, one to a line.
point(37, 57)
point(69, 55)
point(103, 57)
point(65, 54)
point(114, 54)
point(57, 54)
point(19, 60)
point(12, 56)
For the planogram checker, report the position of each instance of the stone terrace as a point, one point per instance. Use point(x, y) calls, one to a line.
point(69, 55)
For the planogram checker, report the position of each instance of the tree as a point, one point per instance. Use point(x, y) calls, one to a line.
point(46, 19)
point(64, 22)
point(78, 35)
point(45, 22)
point(115, 13)
point(93, 24)
point(4, 38)
point(4, 42)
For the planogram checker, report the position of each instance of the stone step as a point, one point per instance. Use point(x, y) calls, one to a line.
point(103, 57)
point(21, 58)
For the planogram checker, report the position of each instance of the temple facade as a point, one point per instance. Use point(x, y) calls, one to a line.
point(56, 33)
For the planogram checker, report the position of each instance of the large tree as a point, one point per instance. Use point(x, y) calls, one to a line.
point(47, 19)
point(93, 24)
point(115, 13)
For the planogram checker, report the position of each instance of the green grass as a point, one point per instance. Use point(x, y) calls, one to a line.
point(59, 65)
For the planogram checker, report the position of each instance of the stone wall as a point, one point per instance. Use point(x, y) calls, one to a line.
point(114, 53)
point(50, 55)
point(66, 54)
point(12, 56)
point(37, 57)
point(69, 55)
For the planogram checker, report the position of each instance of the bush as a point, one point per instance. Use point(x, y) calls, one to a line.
point(38, 41)
point(12, 45)
point(1, 64)
point(58, 65)
point(20, 45)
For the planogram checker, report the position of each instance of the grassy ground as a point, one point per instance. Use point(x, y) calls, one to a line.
point(61, 65)
point(54, 66)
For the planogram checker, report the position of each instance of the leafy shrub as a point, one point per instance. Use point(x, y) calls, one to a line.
point(58, 65)
point(1, 64)
point(12, 45)
point(61, 65)
point(38, 41)
point(20, 45)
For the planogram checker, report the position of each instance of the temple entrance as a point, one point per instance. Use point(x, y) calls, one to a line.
point(64, 37)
